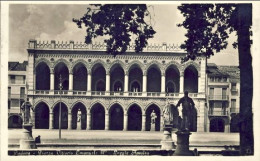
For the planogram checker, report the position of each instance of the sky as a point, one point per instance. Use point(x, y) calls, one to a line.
point(46, 22)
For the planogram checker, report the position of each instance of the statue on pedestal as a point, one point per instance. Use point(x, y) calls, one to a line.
point(79, 120)
point(187, 106)
point(27, 141)
point(79, 116)
point(26, 112)
point(167, 114)
point(153, 117)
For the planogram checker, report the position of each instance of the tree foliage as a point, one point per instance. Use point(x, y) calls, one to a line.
point(207, 32)
point(119, 22)
point(207, 28)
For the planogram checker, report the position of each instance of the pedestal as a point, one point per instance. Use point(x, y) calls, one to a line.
point(182, 148)
point(152, 127)
point(78, 125)
point(27, 141)
point(167, 142)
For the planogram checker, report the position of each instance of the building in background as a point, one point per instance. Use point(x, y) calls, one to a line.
point(16, 92)
point(112, 93)
point(223, 98)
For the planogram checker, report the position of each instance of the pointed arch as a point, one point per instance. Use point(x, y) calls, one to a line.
point(153, 103)
point(117, 62)
point(133, 103)
point(62, 61)
point(97, 113)
point(43, 60)
point(191, 79)
point(153, 108)
point(64, 115)
point(42, 101)
point(57, 102)
point(135, 63)
point(74, 115)
point(79, 101)
point(175, 64)
point(98, 61)
point(116, 117)
point(116, 102)
point(153, 63)
point(42, 76)
point(82, 61)
point(96, 102)
point(42, 111)
point(193, 64)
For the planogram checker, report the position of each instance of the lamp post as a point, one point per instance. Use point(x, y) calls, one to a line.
point(60, 87)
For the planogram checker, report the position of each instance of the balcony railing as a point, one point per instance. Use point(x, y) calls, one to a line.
point(153, 94)
point(135, 93)
point(218, 112)
point(60, 92)
point(79, 92)
point(113, 93)
point(98, 93)
point(16, 96)
point(42, 92)
point(173, 94)
point(218, 97)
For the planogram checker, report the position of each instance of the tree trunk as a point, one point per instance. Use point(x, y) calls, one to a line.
point(246, 79)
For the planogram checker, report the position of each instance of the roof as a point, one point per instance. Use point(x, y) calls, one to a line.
point(233, 72)
point(16, 66)
point(213, 70)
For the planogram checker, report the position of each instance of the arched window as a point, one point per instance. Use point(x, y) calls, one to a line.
point(172, 80)
point(117, 78)
point(135, 78)
point(98, 78)
point(62, 71)
point(42, 77)
point(80, 77)
point(153, 79)
point(191, 79)
point(135, 86)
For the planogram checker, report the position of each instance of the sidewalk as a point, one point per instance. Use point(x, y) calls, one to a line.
point(122, 137)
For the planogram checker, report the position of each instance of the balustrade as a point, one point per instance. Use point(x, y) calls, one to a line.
point(33, 44)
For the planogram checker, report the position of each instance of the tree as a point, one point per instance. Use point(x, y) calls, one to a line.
point(119, 22)
point(207, 32)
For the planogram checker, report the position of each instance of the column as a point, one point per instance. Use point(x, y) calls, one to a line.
point(89, 82)
point(144, 83)
point(107, 121)
point(163, 84)
point(33, 118)
point(88, 120)
point(51, 121)
point(108, 82)
point(143, 122)
point(70, 81)
point(34, 79)
point(125, 121)
point(69, 121)
point(181, 83)
point(161, 123)
point(199, 83)
point(52, 81)
point(126, 83)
